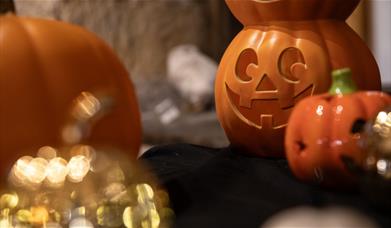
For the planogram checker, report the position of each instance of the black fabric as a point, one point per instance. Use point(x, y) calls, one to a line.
point(224, 188)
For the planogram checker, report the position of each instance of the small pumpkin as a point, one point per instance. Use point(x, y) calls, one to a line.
point(325, 129)
point(284, 53)
point(44, 66)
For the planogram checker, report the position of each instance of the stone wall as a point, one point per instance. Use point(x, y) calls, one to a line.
point(140, 31)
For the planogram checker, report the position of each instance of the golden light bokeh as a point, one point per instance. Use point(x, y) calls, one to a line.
point(78, 185)
point(47, 152)
point(39, 215)
point(67, 192)
point(57, 170)
point(377, 144)
point(86, 106)
point(78, 168)
point(85, 150)
point(9, 200)
point(36, 170)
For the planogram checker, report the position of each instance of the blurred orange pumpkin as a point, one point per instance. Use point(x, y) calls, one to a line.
point(325, 129)
point(44, 66)
point(284, 53)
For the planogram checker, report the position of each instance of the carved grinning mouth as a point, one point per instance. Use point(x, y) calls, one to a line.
point(260, 112)
point(267, 105)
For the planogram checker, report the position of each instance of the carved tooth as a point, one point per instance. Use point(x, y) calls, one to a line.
point(267, 121)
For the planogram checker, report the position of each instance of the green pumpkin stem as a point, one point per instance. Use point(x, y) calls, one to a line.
point(7, 6)
point(342, 82)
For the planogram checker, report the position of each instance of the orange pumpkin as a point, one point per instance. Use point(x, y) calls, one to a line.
point(284, 53)
point(324, 129)
point(44, 66)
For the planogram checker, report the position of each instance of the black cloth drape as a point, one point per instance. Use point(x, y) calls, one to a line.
point(224, 188)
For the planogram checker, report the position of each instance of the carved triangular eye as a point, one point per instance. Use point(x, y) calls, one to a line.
point(286, 60)
point(358, 126)
point(247, 57)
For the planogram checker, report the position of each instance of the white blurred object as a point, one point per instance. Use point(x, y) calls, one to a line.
point(144, 148)
point(381, 35)
point(167, 111)
point(192, 73)
point(80, 222)
point(308, 217)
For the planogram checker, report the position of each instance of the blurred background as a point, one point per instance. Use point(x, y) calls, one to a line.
point(171, 49)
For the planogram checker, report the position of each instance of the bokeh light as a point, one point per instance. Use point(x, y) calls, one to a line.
point(377, 144)
point(57, 171)
point(66, 192)
point(47, 152)
point(80, 222)
point(78, 167)
point(9, 201)
point(73, 133)
point(85, 150)
point(39, 215)
point(86, 106)
point(36, 170)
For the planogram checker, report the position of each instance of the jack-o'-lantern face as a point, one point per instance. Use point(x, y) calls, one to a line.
point(270, 78)
point(284, 53)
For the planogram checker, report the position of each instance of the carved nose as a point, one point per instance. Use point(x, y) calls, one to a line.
point(266, 84)
point(268, 91)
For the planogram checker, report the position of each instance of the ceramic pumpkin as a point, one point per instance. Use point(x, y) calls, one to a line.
point(284, 53)
point(44, 66)
point(325, 129)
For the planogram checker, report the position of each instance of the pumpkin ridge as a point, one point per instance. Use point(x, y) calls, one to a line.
point(102, 50)
point(39, 73)
point(359, 98)
point(317, 28)
point(42, 74)
point(67, 33)
point(250, 12)
point(123, 76)
point(354, 105)
point(321, 132)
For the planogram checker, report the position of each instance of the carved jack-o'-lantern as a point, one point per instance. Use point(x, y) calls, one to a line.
point(324, 130)
point(284, 53)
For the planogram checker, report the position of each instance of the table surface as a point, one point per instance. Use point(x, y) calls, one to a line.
point(224, 188)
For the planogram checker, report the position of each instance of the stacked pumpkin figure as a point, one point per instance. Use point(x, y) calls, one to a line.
point(286, 52)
